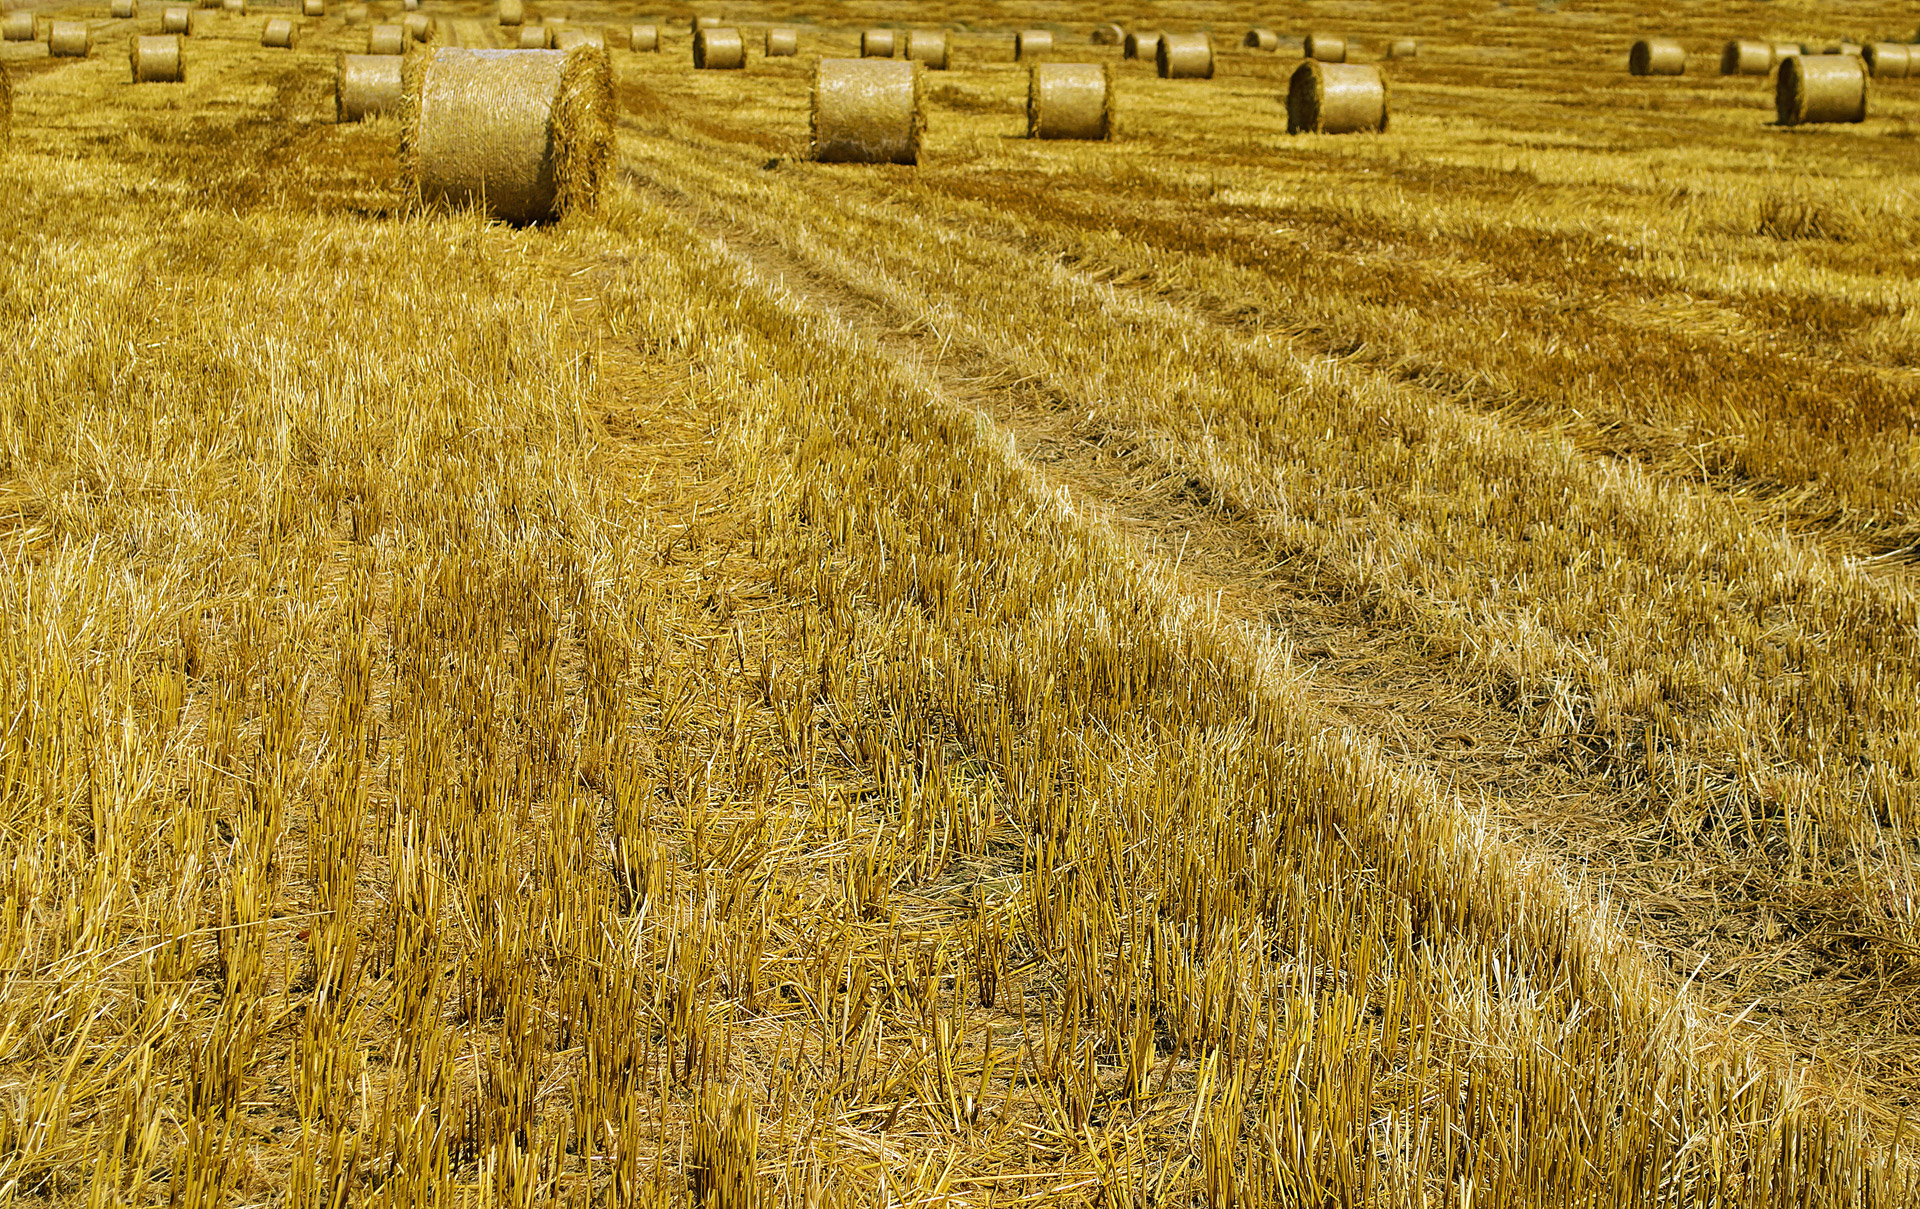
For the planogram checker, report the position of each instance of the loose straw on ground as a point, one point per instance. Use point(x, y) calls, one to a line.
point(867, 111)
point(17, 27)
point(157, 59)
point(512, 12)
point(1888, 60)
point(1184, 57)
point(1261, 39)
point(1403, 48)
point(1032, 42)
point(6, 108)
point(69, 40)
point(526, 134)
point(1070, 101)
point(876, 44)
point(1746, 57)
point(365, 86)
point(928, 46)
point(782, 42)
point(1327, 48)
point(1108, 35)
point(1140, 45)
point(644, 38)
point(716, 49)
point(1821, 88)
point(1336, 98)
point(278, 33)
point(1657, 57)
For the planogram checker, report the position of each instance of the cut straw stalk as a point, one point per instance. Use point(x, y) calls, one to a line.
point(1327, 48)
point(644, 38)
point(1821, 88)
point(1336, 98)
point(1403, 48)
point(69, 40)
point(1261, 38)
point(783, 41)
point(1184, 57)
point(387, 40)
point(1888, 60)
point(1746, 57)
point(1657, 57)
point(1032, 42)
point(877, 43)
point(1108, 35)
point(718, 49)
point(1070, 101)
point(867, 111)
point(157, 59)
point(6, 108)
point(524, 134)
point(1137, 45)
point(929, 46)
point(366, 86)
point(278, 33)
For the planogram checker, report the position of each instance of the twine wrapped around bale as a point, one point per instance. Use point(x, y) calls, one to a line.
point(867, 111)
point(176, 19)
point(782, 42)
point(17, 27)
point(1108, 35)
point(512, 12)
point(1070, 101)
point(419, 27)
point(1336, 98)
point(278, 33)
point(876, 44)
point(1032, 42)
point(1821, 88)
point(387, 40)
point(1403, 48)
point(1746, 57)
point(1657, 57)
point(1888, 60)
point(157, 59)
point(1259, 38)
point(644, 38)
point(928, 46)
point(526, 134)
point(568, 39)
point(535, 37)
point(69, 40)
point(1184, 57)
point(122, 9)
point(1140, 46)
point(719, 50)
point(366, 86)
point(1327, 48)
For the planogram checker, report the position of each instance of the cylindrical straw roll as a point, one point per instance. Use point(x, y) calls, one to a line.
point(387, 40)
point(1327, 48)
point(700, 23)
point(313, 8)
point(1032, 42)
point(278, 33)
point(366, 86)
point(1261, 39)
point(644, 38)
point(568, 39)
point(1846, 48)
point(512, 12)
point(928, 46)
point(237, 8)
point(1786, 50)
point(122, 9)
point(419, 27)
point(1108, 35)
point(782, 42)
point(1403, 48)
point(867, 111)
point(719, 50)
point(1657, 57)
point(1184, 57)
point(1821, 88)
point(1336, 98)
point(69, 40)
point(356, 14)
point(176, 19)
point(1888, 60)
point(525, 133)
point(535, 37)
point(157, 59)
point(17, 27)
point(876, 44)
point(1746, 57)
point(1140, 45)
point(1070, 101)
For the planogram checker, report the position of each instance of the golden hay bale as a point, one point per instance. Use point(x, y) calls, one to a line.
point(512, 12)
point(157, 59)
point(1786, 50)
point(419, 27)
point(1821, 88)
point(1032, 42)
point(535, 37)
point(928, 46)
point(1327, 48)
point(176, 19)
point(356, 14)
point(1140, 45)
point(867, 111)
point(387, 40)
point(1657, 57)
point(17, 27)
point(782, 42)
point(719, 50)
point(1184, 57)
point(1403, 48)
point(278, 33)
point(700, 23)
point(644, 38)
point(1746, 57)
point(365, 86)
point(1259, 38)
point(237, 8)
point(69, 40)
point(568, 39)
point(1846, 48)
point(526, 134)
point(1070, 101)
point(122, 9)
point(313, 8)
point(1108, 35)
point(1336, 98)
point(876, 44)
point(1888, 60)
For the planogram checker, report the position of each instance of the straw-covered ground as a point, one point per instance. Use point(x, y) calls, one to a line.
point(1215, 668)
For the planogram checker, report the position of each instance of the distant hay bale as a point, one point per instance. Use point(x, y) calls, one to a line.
point(387, 40)
point(278, 33)
point(535, 37)
point(313, 8)
point(366, 86)
point(717, 49)
point(1327, 48)
point(356, 14)
point(1337, 98)
point(1259, 38)
point(176, 19)
point(236, 8)
point(1821, 88)
point(17, 27)
point(157, 59)
point(1138, 45)
point(1847, 48)
point(700, 23)
point(69, 40)
point(419, 27)
point(1888, 60)
point(1657, 57)
point(783, 41)
point(1786, 50)
point(122, 9)
point(928, 46)
point(1070, 101)
point(1746, 57)
point(1184, 57)
point(1403, 48)
point(644, 38)
point(527, 134)
point(867, 111)
point(876, 44)
point(1032, 42)
point(1108, 35)
point(570, 39)
point(512, 12)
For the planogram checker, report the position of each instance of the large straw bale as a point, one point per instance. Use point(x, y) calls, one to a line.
point(877, 43)
point(1336, 98)
point(867, 111)
point(526, 134)
point(512, 12)
point(157, 59)
point(1184, 57)
point(1032, 42)
point(1403, 48)
point(1821, 88)
point(176, 19)
point(69, 39)
point(366, 86)
point(1138, 45)
point(1327, 48)
point(783, 41)
point(123, 9)
point(568, 39)
point(278, 33)
point(535, 37)
point(1888, 60)
point(1070, 101)
point(419, 27)
point(644, 38)
point(1261, 38)
point(17, 27)
point(387, 40)
point(929, 46)
point(717, 49)
point(1657, 57)
point(1746, 57)
point(1108, 35)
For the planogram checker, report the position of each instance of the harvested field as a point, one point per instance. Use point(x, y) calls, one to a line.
point(1208, 668)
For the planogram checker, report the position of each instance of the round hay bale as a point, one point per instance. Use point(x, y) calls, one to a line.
point(535, 37)
point(1336, 98)
point(1327, 48)
point(1261, 39)
point(278, 33)
point(1746, 57)
point(1821, 88)
point(69, 40)
point(527, 134)
point(867, 111)
point(157, 59)
point(782, 42)
point(1140, 46)
point(419, 27)
point(176, 19)
point(1403, 48)
point(123, 9)
point(512, 12)
point(410, 5)
point(234, 8)
point(1786, 50)
point(644, 38)
point(700, 23)
point(1184, 57)
point(1888, 60)
point(719, 50)
point(1032, 42)
point(568, 39)
point(876, 44)
point(1108, 35)
point(929, 46)
point(1846, 48)
point(17, 27)
point(387, 40)
point(1657, 57)
point(356, 14)
point(313, 8)
point(1070, 101)
point(365, 86)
